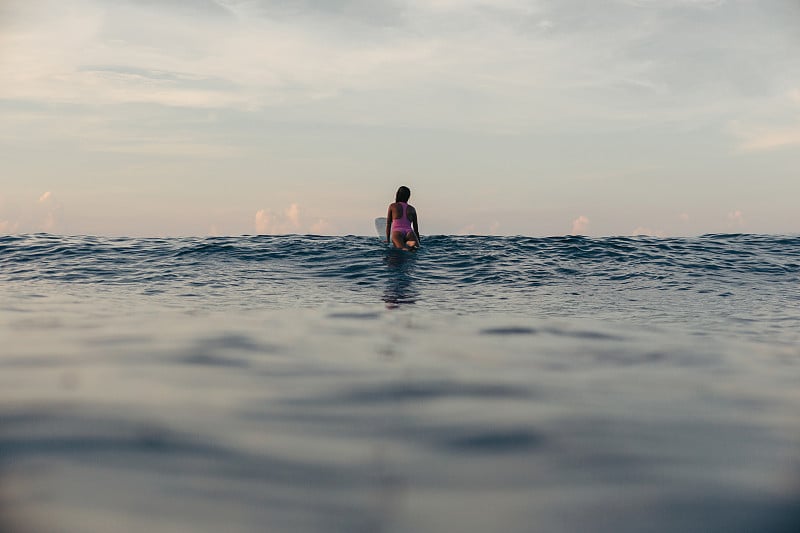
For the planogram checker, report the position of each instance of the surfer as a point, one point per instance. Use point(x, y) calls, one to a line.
point(402, 229)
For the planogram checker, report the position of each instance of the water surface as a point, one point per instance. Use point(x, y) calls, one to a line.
point(305, 383)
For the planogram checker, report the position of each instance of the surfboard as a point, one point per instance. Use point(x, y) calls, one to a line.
point(380, 227)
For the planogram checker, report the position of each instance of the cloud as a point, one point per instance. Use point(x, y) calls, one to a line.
point(469, 229)
point(42, 214)
point(95, 53)
point(139, 76)
point(690, 3)
point(51, 214)
point(647, 231)
point(546, 24)
point(770, 140)
point(580, 225)
point(292, 214)
point(288, 220)
point(322, 227)
point(557, 65)
point(264, 222)
point(8, 228)
point(50, 223)
point(765, 138)
point(736, 219)
point(485, 227)
point(255, 54)
point(684, 217)
point(778, 129)
point(151, 145)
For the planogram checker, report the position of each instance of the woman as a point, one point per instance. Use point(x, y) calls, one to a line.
point(402, 229)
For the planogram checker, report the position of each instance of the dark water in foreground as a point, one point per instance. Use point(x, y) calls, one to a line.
point(481, 384)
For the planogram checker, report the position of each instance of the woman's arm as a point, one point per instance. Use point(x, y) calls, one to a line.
point(415, 225)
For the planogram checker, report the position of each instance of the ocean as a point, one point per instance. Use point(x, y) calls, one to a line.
point(319, 384)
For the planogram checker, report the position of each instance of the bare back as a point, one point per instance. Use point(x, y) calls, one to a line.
point(397, 212)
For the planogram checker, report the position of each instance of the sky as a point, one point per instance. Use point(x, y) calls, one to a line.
point(504, 117)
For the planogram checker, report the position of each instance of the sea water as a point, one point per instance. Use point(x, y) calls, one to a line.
point(308, 384)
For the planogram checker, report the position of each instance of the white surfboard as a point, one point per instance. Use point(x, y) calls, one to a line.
point(380, 227)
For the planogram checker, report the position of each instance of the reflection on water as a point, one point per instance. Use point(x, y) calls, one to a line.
point(399, 288)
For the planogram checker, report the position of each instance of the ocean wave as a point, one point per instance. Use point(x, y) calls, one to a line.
point(460, 259)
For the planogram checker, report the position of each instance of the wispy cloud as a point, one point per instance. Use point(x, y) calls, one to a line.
point(779, 128)
point(250, 55)
point(94, 53)
point(169, 145)
point(691, 3)
point(761, 139)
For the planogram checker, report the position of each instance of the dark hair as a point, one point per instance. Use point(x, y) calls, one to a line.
point(403, 194)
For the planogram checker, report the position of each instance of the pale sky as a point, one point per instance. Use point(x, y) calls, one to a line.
point(508, 117)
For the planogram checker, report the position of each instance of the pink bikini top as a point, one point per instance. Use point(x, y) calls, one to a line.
point(402, 223)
